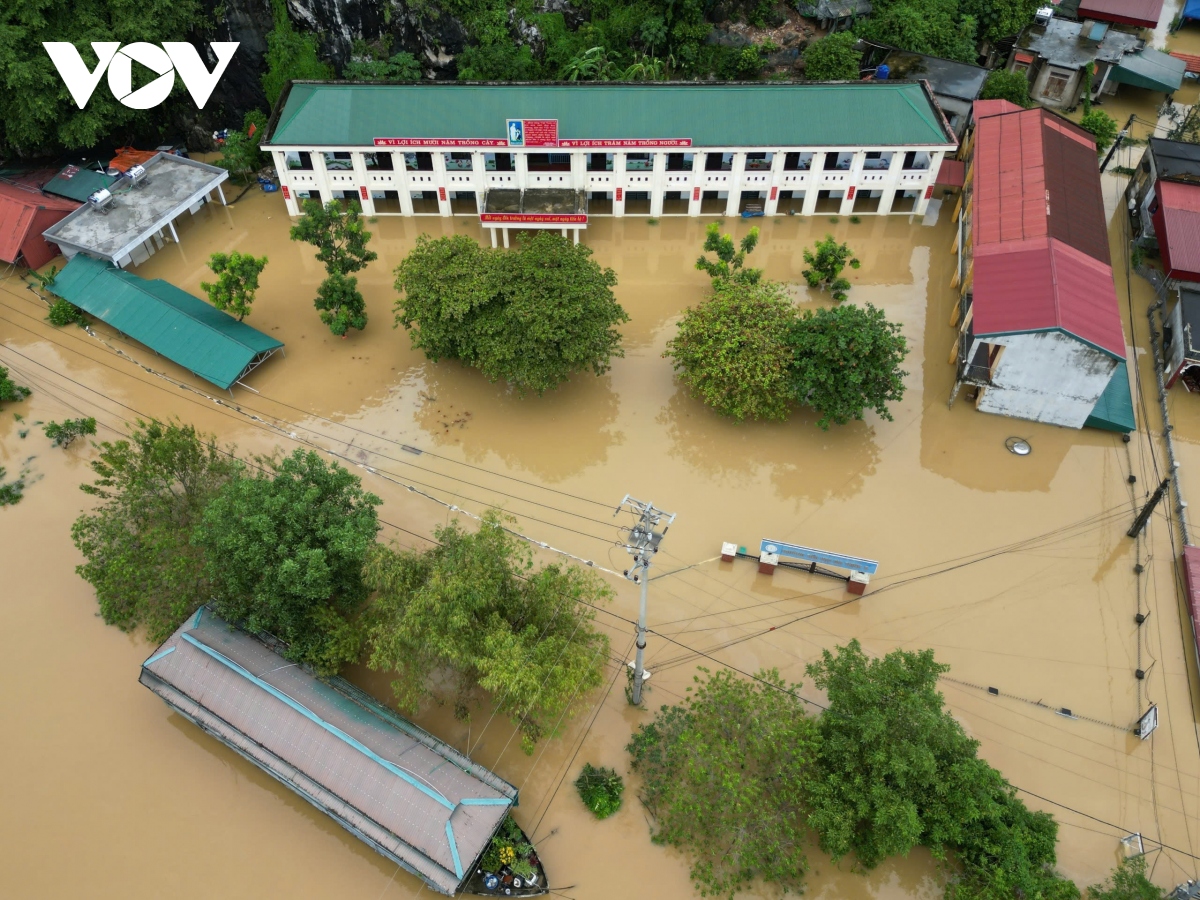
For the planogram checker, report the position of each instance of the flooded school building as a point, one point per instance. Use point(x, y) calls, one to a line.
point(550, 156)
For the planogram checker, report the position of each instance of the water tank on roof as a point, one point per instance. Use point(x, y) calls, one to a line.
point(100, 200)
point(136, 174)
point(1044, 15)
point(882, 72)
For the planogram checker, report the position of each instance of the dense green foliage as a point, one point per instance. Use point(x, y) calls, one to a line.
point(290, 55)
point(338, 233)
point(531, 316)
point(600, 789)
point(66, 432)
point(846, 360)
point(826, 261)
point(725, 774)
point(728, 266)
point(731, 351)
point(937, 27)
point(1128, 882)
point(340, 304)
point(371, 62)
point(240, 155)
point(11, 492)
point(999, 19)
point(832, 58)
point(137, 543)
point(37, 114)
point(474, 606)
point(1101, 125)
point(237, 281)
point(63, 312)
point(284, 552)
point(1004, 85)
point(508, 847)
point(9, 389)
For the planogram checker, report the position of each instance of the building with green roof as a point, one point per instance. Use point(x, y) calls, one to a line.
point(650, 149)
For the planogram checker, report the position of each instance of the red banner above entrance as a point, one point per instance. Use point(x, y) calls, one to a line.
point(532, 219)
point(631, 142)
point(440, 142)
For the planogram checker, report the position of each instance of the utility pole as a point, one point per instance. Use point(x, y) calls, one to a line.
point(1121, 135)
point(1144, 516)
point(642, 542)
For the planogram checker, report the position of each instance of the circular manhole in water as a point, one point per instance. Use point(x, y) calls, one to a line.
point(1019, 446)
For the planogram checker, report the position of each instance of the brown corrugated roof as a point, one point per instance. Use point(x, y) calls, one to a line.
point(1076, 215)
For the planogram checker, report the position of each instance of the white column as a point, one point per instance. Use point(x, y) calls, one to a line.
point(285, 183)
point(321, 176)
point(362, 179)
point(440, 184)
point(579, 173)
point(221, 194)
point(658, 182)
point(400, 173)
point(853, 177)
point(736, 172)
point(521, 167)
point(697, 181)
point(576, 232)
point(816, 172)
point(479, 177)
point(174, 233)
point(492, 231)
point(619, 182)
point(505, 230)
point(891, 182)
point(775, 183)
point(935, 162)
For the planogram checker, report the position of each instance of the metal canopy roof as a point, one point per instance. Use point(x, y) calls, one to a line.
point(1150, 69)
point(19, 208)
point(1179, 239)
point(170, 321)
point(411, 797)
point(851, 114)
point(1114, 410)
point(78, 183)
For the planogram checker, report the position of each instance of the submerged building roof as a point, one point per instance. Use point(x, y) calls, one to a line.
point(168, 320)
point(1176, 160)
point(1039, 238)
point(411, 797)
point(1063, 43)
point(24, 213)
point(1150, 69)
point(715, 115)
point(78, 182)
point(1177, 225)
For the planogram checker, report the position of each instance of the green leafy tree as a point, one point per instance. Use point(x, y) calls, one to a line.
point(531, 316)
point(285, 551)
point(37, 113)
point(825, 265)
point(341, 304)
point(63, 312)
point(474, 606)
point(1102, 127)
point(936, 27)
point(846, 360)
point(591, 65)
point(500, 60)
point(137, 544)
point(731, 351)
point(240, 155)
point(65, 433)
point(237, 281)
point(999, 19)
point(370, 62)
point(725, 774)
point(728, 266)
point(338, 233)
point(290, 56)
point(9, 389)
point(832, 58)
point(600, 789)
point(1003, 85)
point(1128, 882)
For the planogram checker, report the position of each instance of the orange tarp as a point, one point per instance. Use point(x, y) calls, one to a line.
point(128, 157)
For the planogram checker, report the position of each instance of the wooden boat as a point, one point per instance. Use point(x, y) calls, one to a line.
point(501, 881)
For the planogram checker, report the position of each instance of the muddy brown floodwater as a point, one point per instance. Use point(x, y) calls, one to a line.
point(1014, 570)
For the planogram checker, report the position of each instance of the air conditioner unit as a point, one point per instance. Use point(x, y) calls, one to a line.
point(101, 201)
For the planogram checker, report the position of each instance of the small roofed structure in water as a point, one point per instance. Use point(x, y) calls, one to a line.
point(1181, 339)
point(411, 797)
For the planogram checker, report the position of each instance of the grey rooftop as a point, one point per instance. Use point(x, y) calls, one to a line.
point(1063, 43)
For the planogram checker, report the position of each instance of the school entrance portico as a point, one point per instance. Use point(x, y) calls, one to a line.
point(539, 209)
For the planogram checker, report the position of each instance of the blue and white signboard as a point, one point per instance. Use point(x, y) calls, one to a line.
point(822, 557)
point(515, 129)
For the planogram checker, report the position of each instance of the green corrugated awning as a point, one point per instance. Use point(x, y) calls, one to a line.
point(170, 321)
point(78, 184)
point(1114, 410)
point(711, 115)
point(1150, 69)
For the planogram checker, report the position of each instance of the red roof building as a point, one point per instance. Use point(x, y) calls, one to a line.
point(1140, 13)
point(24, 215)
point(1041, 328)
point(1176, 215)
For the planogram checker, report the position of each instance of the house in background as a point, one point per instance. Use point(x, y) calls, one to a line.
point(1163, 198)
point(955, 85)
point(1181, 339)
point(1137, 13)
point(1040, 334)
point(834, 15)
point(24, 214)
point(1055, 55)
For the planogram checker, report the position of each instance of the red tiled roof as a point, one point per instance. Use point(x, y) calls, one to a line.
point(951, 173)
point(18, 210)
point(1180, 205)
point(1192, 62)
point(1039, 232)
point(1127, 12)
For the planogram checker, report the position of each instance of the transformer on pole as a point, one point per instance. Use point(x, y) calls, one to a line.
point(642, 543)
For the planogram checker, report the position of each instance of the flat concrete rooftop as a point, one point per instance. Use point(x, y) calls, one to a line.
point(172, 185)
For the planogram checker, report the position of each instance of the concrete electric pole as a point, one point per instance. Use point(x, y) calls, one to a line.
point(643, 540)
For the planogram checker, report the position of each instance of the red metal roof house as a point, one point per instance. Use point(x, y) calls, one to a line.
point(1041, 334)
point(24, 215)
point(1139, 13)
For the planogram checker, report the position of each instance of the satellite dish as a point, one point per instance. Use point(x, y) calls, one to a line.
point(1019, 446)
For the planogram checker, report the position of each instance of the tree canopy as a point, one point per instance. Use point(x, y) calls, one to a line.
point(291, 55)
point(999, 19)
point(341, 304)
point(284, 553)
point(9, 389)
point(240, 155)
point(531, 316)
point(137, 544)
point(237, 281)
point(826, 261)
point(1102, 126)
point(728, 266)
point(474, 605)
point(832, 58)
point(845, 361)
point(371, 62)
point(731, 351)
point(936, 27)
point(338, 233)
point(1004, 85)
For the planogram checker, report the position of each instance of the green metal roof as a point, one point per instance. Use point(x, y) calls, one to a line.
point(78, 185)
point(711, 115)
point(1114, 410)
point(169, 321)
point(1150, 69)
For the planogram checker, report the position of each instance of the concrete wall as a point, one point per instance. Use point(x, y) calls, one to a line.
point(1047, 377)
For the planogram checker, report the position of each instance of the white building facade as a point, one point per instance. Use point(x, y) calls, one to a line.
point(649, 150)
